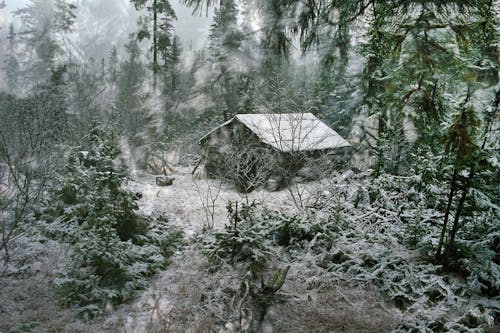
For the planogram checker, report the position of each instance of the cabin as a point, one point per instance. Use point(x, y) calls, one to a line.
point(249, 148)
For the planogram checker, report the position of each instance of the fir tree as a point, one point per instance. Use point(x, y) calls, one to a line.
point(113, 249)
point(162, 15)
point(44, 23)
point(86, 85)
point(276, 41)
point(225, 40)
point(11, 65)
point(113, 66)
point(131, 99)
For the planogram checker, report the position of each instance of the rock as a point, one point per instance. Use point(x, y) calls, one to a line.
point(164, 181)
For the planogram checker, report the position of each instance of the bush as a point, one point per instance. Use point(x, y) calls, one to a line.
point(245, 238)
point(105, 270)
point(294, 231)
point(114, 249)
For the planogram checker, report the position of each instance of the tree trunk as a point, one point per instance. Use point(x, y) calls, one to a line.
point(446, 215)
point(155, 43)
point(456, 220)
point(382, 128)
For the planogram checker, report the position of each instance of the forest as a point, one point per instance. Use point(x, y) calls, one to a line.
point(110, 222)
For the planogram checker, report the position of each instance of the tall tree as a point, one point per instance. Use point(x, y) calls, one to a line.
point(162, 15)
point(225, 56)
point(276, 40)
point(131, 101)
point(171, 60)
point(113, 65)
point(45, 23)
point(11, 65)
point(86, 88)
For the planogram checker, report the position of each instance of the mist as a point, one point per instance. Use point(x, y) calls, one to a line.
point(102, 24)
point(274, 166)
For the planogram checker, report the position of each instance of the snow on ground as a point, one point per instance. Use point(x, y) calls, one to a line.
point(190, 296)
point(30, 299)
point(171, 302)
point(188, 200)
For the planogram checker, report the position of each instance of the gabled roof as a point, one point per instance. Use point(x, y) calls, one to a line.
point(290, 131)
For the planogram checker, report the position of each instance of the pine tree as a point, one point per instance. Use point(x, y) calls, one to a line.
point(86, 86)
point(276, 41)
point(171, 73)
point(162, 15)
point(45, 23)
point(97, 216)
point(225, 39)
point(113, 66)
point(131, 99)
point(11, 65)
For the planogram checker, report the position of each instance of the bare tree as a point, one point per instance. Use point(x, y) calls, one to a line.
point(27, 162)
point(248, 166)
point(209, 193)
point(305, 144)
point(23, 180)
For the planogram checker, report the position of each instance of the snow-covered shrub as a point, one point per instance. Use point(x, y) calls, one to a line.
point(105, 270)
point(246, 237)
point(24, 327)
point(113, 249)
point(295, 231)
point(389, 242)
point(416, 205)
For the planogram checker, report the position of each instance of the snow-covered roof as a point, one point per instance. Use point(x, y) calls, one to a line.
point(290, 131)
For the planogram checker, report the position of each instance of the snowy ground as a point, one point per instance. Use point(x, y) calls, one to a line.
point(186, 201)
point(172, 303)
point(30, 304)
point(190, 296)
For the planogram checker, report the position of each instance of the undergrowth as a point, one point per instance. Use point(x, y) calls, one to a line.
point(378, 232)
point(114, 250)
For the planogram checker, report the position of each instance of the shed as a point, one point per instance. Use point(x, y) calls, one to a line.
point(251, 145)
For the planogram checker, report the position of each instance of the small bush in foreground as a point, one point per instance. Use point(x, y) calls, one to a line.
point(113, 249)
point(244, 238)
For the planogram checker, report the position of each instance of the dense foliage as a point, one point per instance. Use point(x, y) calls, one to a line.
point(378, 233)
point(114, 250)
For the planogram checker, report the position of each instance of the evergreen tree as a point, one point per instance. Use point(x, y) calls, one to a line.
point(113, 66)
point(225, 40)
point(86, 87)
point(11, 65)
point(131, 100)
point(114, 250)
point(225, 36)
point(276, 41)
point(171, 75)
point(100, 175)
point(45, 22)
point(162, 15)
